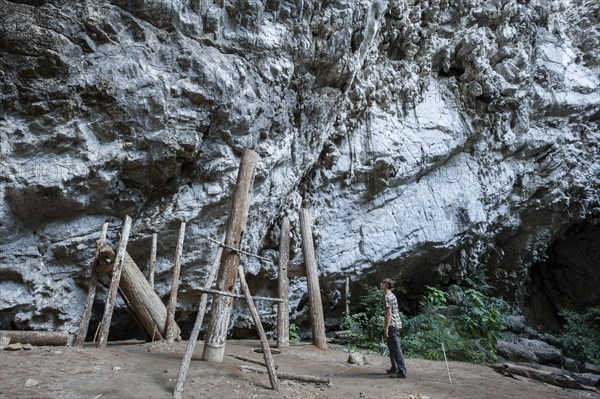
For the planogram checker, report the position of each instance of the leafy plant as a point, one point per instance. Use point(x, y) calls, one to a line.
point(581, 340)
point(366, 327)
point(294, 336)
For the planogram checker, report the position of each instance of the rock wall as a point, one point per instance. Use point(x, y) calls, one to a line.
point(433, 141)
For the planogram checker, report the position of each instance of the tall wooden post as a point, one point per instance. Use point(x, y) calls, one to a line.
point(152, 259)
point(114, 284)
point(283, 310)
point(174, 286)
point(214, 342)
point(347, 295)
point(317, 319)
point(89, 300)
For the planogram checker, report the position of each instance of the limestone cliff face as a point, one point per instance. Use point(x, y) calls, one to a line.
point(433, 141)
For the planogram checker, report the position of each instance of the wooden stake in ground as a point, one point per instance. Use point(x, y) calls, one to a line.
point(347, 294)
point(446, 360)
point(283, 309)
point(317, 319)
point(114, 284)
point(261, 332)
point(152, 259)
point(189, 349)
point(289, 376)
point(174, 286)
point(89, 300)
point(214, 342)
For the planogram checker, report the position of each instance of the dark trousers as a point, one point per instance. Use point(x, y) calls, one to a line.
point(396, 356)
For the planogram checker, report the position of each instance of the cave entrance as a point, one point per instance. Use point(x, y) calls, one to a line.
point(568, 279)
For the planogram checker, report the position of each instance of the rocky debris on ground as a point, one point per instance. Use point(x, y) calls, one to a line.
point(357, 358)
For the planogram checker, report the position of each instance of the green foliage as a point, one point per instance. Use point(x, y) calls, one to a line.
point(367, 326)
point(581, 340)
point(469, 331)
point(294, 337)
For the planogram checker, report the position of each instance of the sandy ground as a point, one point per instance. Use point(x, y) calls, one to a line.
point(149, 370)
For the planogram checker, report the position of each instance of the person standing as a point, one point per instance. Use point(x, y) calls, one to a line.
point(393, 324)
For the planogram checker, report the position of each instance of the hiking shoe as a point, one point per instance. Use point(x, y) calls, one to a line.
point(397, 375)
point(391, 371)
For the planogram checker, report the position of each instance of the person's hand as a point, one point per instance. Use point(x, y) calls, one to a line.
point(385, 334)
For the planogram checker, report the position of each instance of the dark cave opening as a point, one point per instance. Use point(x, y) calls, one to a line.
point(568, 279)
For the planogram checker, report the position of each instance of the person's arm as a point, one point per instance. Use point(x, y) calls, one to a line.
point(388, 320)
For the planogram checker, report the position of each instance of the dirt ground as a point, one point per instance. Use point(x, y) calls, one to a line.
point(149, 370)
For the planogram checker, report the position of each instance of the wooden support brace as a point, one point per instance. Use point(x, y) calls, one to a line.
point(189, 349)
point(283, 309)
point(152, 259)
point(89, 300)
point(114, 284)
point(261, 332)
point(174, 286)
point(234, 295)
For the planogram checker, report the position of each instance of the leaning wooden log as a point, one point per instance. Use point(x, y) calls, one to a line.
point(174, 286)
point(40, 338)
point(189, 349)
point(152, 259)
point(216, 334)
point(261, 332)
point(114, 284)
point(283, 309)
point(145, 302)
point(288, 376)
point(557, 379)
point(317, 320)
point(89, 300)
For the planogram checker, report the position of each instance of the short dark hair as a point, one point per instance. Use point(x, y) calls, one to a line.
point(389, 282)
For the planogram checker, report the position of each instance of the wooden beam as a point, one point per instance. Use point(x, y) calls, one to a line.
point(114, 284)
point(283, 308)
point(261, 332)
point(317, 319)
point(41, 338)
point(214, 342)
point(174, 286)
point(233, 295)
point(347, 296)
point(189, 349)
point(89, 300)
point(237, 250)
point(152, 259)
point(296, 270)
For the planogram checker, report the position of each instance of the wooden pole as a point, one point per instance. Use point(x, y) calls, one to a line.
point(347, 294)
point(446, 360)
point(261, 332)
point(317, 319)
point(283, 309)
point(174, 286)
point(114, 284)
point(144, 301)
point(89, 300)
point(214, 342)
point(189, 349)
point(152, 259)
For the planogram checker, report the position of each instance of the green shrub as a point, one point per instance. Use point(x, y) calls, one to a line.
point(581, 339)
point(367, 326)
point(293, 335)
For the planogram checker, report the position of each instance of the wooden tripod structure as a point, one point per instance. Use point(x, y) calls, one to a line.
point(145, 304)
